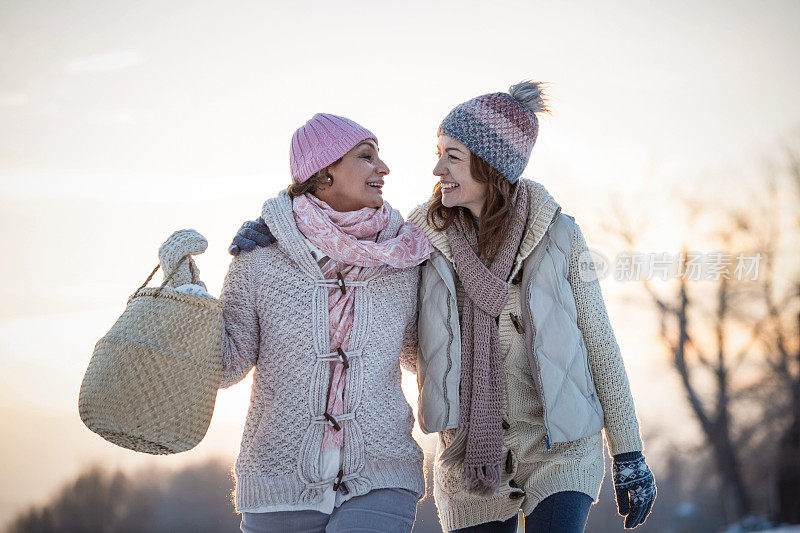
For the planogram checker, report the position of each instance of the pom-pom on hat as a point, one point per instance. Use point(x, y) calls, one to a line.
point(321, 141)
point(500, 128)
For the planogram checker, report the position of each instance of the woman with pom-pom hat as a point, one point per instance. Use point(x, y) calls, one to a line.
point(521, 381)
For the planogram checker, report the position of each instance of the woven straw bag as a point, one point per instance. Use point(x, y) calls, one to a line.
point(152, 380)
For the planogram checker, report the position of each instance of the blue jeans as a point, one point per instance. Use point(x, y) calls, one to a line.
point(378, 511)
point(562, 512)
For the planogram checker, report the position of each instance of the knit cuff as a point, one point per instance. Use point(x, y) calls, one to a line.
point(256, 491)
point(628, 456)
point(622, 440)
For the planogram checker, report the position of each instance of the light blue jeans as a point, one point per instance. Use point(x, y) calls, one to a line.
point(378, 511)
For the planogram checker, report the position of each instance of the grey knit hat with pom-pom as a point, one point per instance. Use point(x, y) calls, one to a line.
point(500, 128)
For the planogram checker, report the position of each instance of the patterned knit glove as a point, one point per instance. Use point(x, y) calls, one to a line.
point(635, 488)
point(180, 244)
point(252, 233)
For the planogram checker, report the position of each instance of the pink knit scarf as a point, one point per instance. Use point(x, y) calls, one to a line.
point(349, 240)
point(349, 237)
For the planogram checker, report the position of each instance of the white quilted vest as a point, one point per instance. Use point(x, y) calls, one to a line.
point(555, 346)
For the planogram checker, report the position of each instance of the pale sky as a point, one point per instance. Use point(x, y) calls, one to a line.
point(122, 122)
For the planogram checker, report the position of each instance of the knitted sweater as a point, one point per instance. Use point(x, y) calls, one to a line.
point(571, 466)
point(276, 319)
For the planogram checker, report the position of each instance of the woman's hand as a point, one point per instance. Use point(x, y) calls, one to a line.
point(252, 233)
point(182, 243)
point(635, 488)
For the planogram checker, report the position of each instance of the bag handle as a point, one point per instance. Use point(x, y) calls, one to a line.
point(166, 279)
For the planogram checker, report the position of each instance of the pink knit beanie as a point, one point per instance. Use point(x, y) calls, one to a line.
point(321, 141)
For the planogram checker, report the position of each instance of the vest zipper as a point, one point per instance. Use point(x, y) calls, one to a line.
point(526, 310)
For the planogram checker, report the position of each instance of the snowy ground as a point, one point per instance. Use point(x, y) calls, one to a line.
point(784, 529)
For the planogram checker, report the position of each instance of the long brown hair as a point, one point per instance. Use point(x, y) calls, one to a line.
point(495, 217)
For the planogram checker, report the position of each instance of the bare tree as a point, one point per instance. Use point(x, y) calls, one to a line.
point(714, 413)
point(781, 339)
point(735, 346)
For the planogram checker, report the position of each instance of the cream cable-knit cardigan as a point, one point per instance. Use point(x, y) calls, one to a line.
point(276, 318)
point(571, 466)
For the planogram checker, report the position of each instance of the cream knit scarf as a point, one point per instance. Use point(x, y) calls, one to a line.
point(479, 436)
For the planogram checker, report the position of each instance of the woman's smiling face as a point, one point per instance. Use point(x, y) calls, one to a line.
point(358, 179)
point(459, 188)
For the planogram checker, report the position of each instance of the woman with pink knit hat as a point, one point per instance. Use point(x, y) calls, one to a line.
point(325, 316)
point(518, 366)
